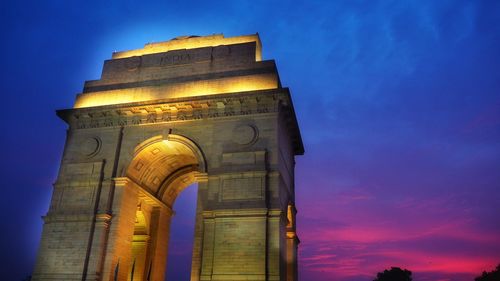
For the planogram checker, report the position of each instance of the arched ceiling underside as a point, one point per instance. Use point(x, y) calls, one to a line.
point(164, 168)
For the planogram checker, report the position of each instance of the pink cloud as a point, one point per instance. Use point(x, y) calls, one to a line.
point(339, 245)
point(368, 263)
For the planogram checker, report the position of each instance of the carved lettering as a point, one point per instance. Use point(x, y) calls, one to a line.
point(175, 59)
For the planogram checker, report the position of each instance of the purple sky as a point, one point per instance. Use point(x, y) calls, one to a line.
point(398, 103)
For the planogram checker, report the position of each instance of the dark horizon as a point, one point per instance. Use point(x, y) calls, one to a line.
point(398, 103)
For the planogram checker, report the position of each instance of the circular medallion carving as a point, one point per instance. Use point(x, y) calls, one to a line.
point(245, 134)
point(90, 147)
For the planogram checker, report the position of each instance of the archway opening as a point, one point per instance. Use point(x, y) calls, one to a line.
point(182, 226)
point(161, 169)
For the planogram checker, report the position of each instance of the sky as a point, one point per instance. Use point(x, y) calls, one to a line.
point(398, 103)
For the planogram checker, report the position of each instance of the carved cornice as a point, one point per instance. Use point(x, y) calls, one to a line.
point(186, 109)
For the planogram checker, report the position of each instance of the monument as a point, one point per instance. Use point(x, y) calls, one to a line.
point(205, 110)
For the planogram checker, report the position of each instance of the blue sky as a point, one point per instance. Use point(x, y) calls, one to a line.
point(398, 103)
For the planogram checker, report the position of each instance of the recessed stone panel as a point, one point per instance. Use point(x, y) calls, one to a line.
point(77, 197)
point(80, 173)
point(244, 188)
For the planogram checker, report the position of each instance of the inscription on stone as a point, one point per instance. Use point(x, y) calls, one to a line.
point(175, 59)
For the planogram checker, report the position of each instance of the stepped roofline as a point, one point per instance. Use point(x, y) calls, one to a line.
point(192, 42)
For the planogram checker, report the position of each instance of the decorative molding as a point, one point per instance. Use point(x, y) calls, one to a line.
point(122, 181)
point(187, 109)
point(209, 108)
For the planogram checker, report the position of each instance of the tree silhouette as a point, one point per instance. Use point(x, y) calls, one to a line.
point(494, 275)
point(395, 274)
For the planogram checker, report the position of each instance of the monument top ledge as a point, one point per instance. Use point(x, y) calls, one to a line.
point(192, 42)
point(182, 67)
point(185, 78)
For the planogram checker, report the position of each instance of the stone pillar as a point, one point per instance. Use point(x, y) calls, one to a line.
point(198, 234)
point(97, 251)
point(274, 230)
point(160, 233)
point(139, 252)
point(234, 246)
point(208, 246)
point(292, 243)
point(291, 257)
point(119, 248)
point(62, 249)
point(68, 224)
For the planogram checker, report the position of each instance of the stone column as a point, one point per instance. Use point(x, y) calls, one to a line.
point(274, 249)
point(139, 252)
point(198, 233)
point(292, 243)
point(208, 246)
point(234, 246)
point(98, 248)
point(160, 233)
point(119, 247)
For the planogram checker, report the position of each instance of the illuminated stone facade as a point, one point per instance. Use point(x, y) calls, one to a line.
point(192, 109)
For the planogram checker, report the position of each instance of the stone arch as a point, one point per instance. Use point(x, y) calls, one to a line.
point(166, 164)
point(161, 167)
point(192, 145)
